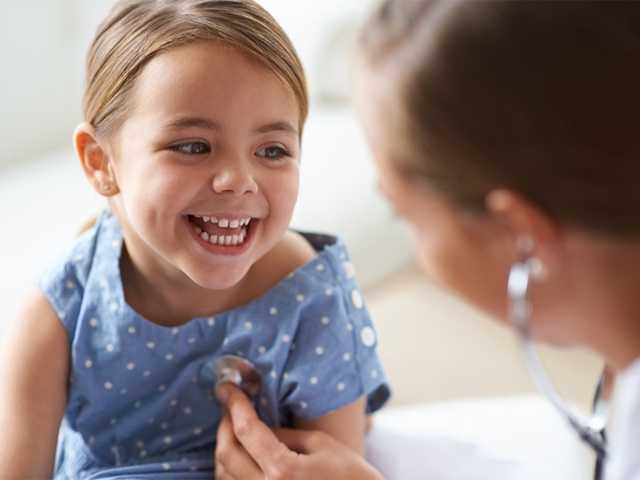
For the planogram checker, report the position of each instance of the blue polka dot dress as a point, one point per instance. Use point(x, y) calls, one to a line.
point(141, 401)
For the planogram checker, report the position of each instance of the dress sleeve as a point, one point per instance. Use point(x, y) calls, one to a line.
point(333, 360)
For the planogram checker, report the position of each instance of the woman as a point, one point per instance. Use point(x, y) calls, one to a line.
point(505, 134)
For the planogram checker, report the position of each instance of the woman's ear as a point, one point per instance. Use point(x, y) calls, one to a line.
point(534, 233)
point(95, 161)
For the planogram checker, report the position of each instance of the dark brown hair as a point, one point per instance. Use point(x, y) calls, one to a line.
point(541, 97)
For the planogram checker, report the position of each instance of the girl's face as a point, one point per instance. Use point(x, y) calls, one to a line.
point(206, 164)
point(468, 254)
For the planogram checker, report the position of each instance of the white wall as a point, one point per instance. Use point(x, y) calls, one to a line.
point(39, 94)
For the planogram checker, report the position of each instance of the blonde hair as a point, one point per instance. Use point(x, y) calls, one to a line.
point(135, 31)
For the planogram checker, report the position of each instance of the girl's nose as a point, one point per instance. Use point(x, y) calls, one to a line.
point(234, 179)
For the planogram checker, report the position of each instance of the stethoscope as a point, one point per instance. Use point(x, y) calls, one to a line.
point(591, 429)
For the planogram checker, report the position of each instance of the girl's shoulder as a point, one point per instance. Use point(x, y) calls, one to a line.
point(63, 282)
point(310, 257)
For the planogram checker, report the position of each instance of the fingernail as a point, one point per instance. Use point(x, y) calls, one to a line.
point(222, 393)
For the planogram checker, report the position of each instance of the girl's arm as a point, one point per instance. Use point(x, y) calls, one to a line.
point(34, 369)
point(348, 425)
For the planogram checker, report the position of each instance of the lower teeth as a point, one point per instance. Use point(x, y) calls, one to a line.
point(226, 240)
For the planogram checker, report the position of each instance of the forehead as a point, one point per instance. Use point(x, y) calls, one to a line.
point(211, 78)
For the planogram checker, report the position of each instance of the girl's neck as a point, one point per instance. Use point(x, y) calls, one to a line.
point(171, 301)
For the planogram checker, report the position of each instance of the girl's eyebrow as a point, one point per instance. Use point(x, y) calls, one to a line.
point(281, 126)
point(198, 122)
point(189, 122)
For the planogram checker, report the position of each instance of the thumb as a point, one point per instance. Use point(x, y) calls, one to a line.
point(223, 393)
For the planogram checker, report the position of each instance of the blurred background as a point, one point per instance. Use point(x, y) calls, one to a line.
point(434, 347)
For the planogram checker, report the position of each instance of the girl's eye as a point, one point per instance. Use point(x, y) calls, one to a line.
point(191, 148)
point(273, 153)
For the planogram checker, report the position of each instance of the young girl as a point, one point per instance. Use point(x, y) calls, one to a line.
point(194, 111)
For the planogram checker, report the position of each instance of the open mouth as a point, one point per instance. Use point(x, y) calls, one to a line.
point(222, 231)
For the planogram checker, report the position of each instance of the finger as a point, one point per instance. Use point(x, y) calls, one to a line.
point(258, 440)
point(302, 441)
point(232, 457)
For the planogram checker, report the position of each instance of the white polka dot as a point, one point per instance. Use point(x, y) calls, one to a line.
point(319, 350)
point(131, 366)
point(140, 444)
point(191, 340)
point(197, 431)
point(273, 311)
point(113, 421)
point(162, 388)
point(114, 306)
point(169, 356)
point(303, 405)
point(320, 267)
point(291, 275)
point(70, 285)
point(340, 387)
point(262, 349)
point(88, 363)
point(285, 375)
point(175, 330)
point(226, 340)
point(138, 404)
point(374, 374)
point(109, 348)
point(349, 269)
point(346, 357)
point(325, 320)
point(328, 292)
point(368, 337)
point(164, 425)
point(151, 345)
point(93, 322)
point(273, 374)
point(123, 391)
point(132, 330)
point(187, 410)
point(166, 466)
point(146, 373)
point(108, 385)
point(357, 300)
point(143, 453)
point(300, 297)
point(313, 380)
point(248, 325)
point(92, 440)
point(151, 421)
point(115, 244)
point(286, 338)
point(211, 321)
point(349, 327)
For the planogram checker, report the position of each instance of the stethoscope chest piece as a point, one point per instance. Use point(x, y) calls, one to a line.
point(239, 371)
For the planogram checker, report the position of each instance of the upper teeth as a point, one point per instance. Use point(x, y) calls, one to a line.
point(226, 222)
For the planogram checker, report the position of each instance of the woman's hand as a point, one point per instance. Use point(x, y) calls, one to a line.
point(248, 450)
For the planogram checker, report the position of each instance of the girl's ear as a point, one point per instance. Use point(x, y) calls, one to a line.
point(95, 161)
point(533, 231)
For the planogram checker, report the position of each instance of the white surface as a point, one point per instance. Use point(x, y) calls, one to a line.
point(44, 203)
point(510, 438)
